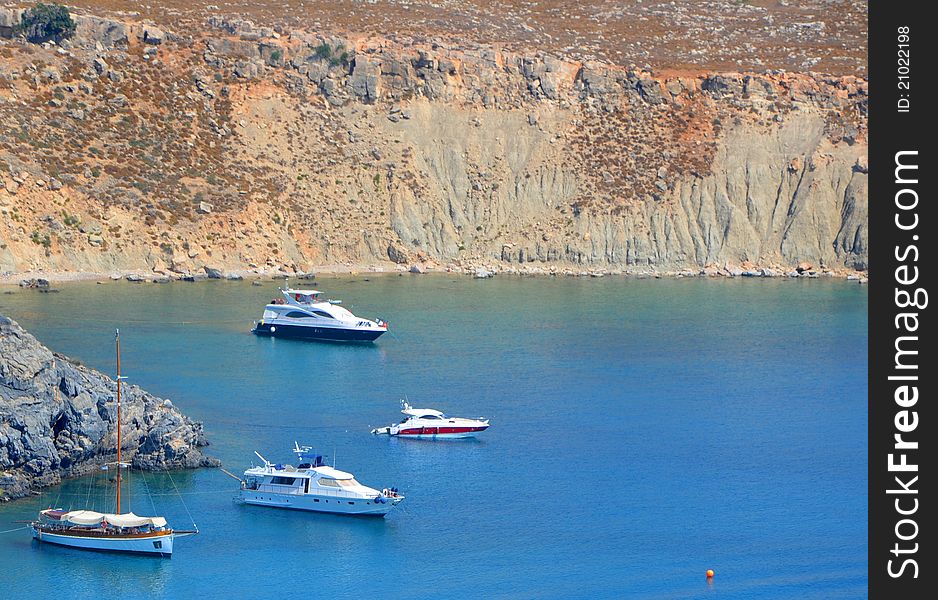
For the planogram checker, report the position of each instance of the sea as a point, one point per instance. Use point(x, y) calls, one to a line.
point(643, 432)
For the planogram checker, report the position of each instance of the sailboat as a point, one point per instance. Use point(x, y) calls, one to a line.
point(117, 532)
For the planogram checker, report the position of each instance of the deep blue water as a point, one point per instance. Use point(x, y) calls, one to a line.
point(643, 432)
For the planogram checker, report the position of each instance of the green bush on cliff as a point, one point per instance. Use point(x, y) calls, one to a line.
point(45, 22)
point(323, 51)
point(42, 240)
point(70, 220)
point(335, 56)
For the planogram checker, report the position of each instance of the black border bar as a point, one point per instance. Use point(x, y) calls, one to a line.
point(902, 229)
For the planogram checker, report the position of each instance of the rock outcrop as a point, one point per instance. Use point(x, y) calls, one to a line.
point(57, 420)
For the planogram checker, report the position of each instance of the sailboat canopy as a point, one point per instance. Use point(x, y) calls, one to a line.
point(132, 520)
point(90, 517)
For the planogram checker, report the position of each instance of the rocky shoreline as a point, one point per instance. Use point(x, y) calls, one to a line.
point(57, 420)
point(42, 280)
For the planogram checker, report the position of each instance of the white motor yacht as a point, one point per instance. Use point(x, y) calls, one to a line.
point(306, 314)
point(314, 486)
point(429, 424)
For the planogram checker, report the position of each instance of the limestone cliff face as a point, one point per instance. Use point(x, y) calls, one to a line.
point(57, 419)
point(778, 195)
point(239, 147)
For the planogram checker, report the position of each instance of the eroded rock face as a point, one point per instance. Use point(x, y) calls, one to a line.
point(107, 32)
point(9, 19)
point(57, 419)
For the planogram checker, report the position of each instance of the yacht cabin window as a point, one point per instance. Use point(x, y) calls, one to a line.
point(338, 482)
point(283, 480)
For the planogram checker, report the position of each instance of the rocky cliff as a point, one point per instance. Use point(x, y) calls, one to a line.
point(239, 146)
point(57, 420)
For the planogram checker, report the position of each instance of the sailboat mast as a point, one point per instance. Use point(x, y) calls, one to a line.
point(117, 340)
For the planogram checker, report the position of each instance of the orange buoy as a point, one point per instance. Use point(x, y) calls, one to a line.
point(709, 573)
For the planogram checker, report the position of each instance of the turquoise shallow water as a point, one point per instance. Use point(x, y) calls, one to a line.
point(643, 432)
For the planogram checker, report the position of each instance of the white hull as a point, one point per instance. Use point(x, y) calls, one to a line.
point(156, 545)
point(318, 503)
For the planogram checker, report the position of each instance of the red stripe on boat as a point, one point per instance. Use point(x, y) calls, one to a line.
point(439, 430)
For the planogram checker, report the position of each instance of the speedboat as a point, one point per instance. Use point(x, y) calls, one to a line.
point(314, 486)
point(306, 314)
point(429, 424)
